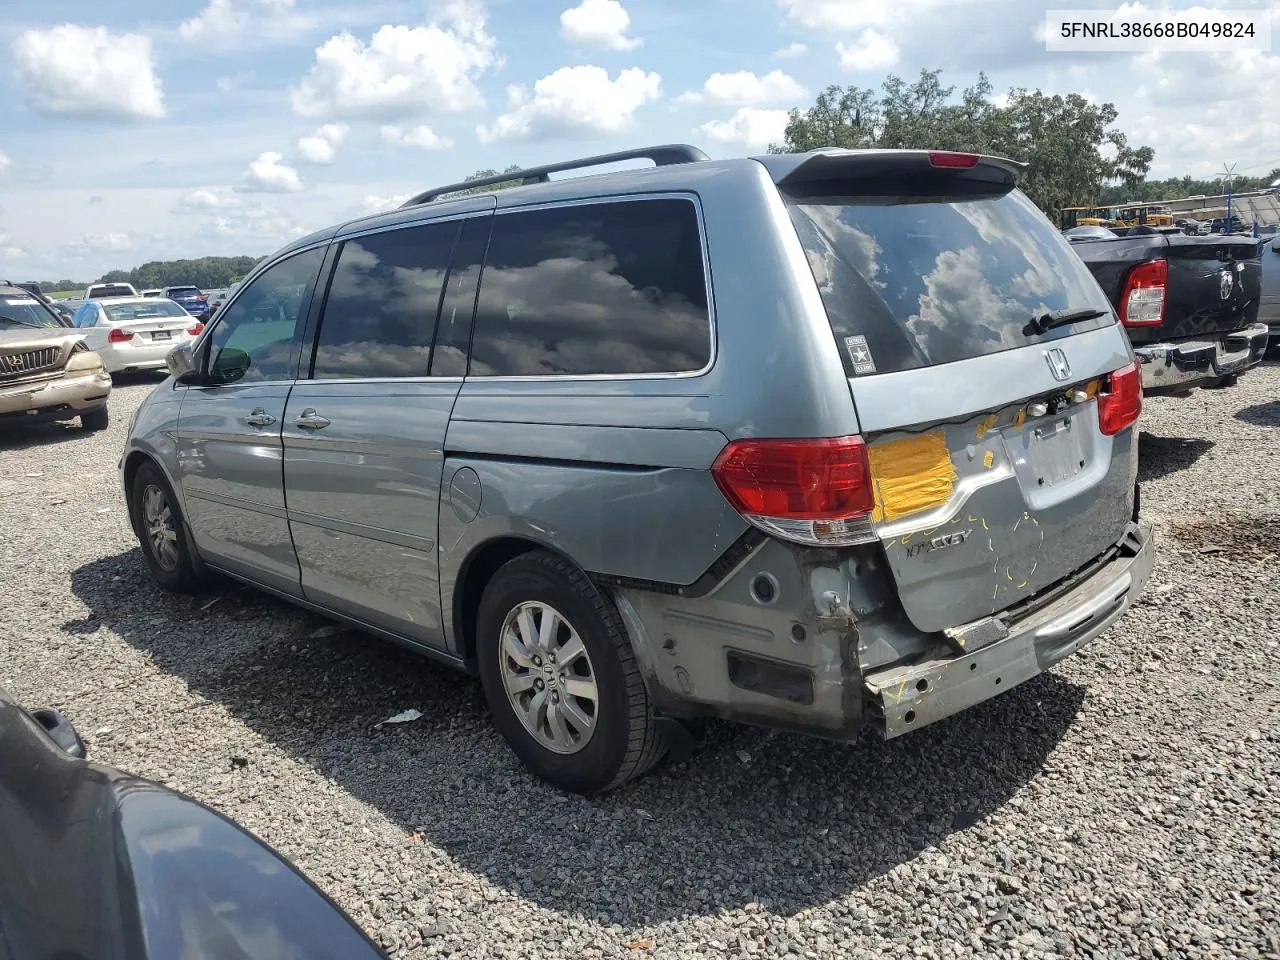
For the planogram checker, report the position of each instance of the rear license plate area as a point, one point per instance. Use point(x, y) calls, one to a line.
point(161, 335)
point(1055, 450)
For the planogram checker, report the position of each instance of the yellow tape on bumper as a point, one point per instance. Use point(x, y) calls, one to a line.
point(911, 474)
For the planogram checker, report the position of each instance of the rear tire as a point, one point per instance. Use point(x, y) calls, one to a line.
point(539, 680)
point(95, 420)
point(161, 531)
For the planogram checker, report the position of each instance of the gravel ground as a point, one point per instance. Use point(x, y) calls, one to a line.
point(1125, 805)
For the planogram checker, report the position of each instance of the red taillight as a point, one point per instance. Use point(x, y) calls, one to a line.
point(195, 331)
point(951, 160)
point(827, 479)
point(1142, 304)
point(117, 335)
point(1120, 402)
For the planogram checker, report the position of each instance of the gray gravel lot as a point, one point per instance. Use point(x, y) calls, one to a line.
point(1125, 805)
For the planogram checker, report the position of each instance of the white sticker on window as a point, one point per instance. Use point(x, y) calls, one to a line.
point(20, 302)
point(860, 355)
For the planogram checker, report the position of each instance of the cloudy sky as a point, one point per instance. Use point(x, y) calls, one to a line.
point(151, 129)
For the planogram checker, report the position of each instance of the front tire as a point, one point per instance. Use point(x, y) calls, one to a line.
point(160, 528)
point(561, 678)
point(95, 420)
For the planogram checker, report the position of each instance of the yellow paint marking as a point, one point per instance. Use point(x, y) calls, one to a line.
point(1020, 419)
point(911, 474)
point(987, 425)
point(988, 459)
point(1022, 584)
point(984, 524)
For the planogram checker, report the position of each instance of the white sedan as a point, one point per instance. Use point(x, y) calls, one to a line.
point(135, 333)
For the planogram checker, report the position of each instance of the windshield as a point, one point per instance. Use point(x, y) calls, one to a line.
point(125, 312)
point(913, 284)
point(21, 310)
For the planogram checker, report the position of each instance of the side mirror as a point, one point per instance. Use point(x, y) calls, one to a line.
point(229, 366)
point(181, 362)
point(60, 730)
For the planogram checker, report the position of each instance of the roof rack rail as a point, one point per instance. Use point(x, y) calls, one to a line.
point(662, 156)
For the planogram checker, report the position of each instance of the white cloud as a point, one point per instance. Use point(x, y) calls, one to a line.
point(374, 204)
point(110, 242)
point(872, 50)
point(89, 72)
point(744, 88)
point(401, 71)
point(751, 126)
point(856, 14)
point(5, 162)
point(268, 175)
point(205, 198)
point(421, 136)
point(574, 102)
point(225, 21)
point(322, 146)
point(792, 50)
point(598, 23)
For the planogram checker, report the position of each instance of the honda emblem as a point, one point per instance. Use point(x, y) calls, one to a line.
point(1058, 364)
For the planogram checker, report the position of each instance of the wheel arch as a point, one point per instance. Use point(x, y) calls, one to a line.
point(475, 573)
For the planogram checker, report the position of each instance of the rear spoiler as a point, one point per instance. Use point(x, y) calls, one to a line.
point(807, 173)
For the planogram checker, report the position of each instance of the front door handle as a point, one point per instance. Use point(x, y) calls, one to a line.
point(310, 420)
point(259, 418)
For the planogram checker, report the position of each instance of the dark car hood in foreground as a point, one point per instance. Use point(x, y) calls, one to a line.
point(99, 865)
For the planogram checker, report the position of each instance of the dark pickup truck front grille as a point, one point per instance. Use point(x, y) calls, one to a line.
point(30, 361)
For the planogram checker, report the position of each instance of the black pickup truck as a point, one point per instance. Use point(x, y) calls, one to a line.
point(1189, 304)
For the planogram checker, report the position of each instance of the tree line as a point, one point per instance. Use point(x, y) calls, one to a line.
point(206, 272)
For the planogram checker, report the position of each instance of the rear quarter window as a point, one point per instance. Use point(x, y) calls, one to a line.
point(611, 288)
point(917, 283)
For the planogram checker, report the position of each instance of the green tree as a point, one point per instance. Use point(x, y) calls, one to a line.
point(205, 272)
point(1071, 145)
point(490, 187)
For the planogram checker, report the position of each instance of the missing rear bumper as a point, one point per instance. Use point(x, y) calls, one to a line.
point(906, 697)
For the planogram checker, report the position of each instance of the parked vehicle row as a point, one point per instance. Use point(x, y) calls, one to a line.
point(713, 438)
point(133, 334)
point(47, 372)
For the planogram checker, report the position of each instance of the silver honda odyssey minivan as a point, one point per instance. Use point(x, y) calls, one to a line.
point(815, 441)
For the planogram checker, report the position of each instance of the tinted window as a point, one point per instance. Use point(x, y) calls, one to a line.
point(453, 335)
point(119, 290)
point(255, 337)
point(22, 310)
point(609, 288)
point(911, 284)
point(380, 315)
point(182, 292)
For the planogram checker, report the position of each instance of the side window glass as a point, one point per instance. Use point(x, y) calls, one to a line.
point(256, 336)
point(453, 334)
point(380, 314)
point(608, 288)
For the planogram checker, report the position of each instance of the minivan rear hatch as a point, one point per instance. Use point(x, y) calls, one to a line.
point(979, 352)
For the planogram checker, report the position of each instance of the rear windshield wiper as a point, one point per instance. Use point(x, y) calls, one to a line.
point(1060, 318)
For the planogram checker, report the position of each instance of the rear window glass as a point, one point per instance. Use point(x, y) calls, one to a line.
point(914, 284)
point(184, 291)
point(125, 312)
point(110, 291)
point(588, 289)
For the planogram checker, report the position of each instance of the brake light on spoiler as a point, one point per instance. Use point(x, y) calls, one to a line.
point(1120, 400)
point(1142, 303)
point(951, 160)
point(816, 491)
